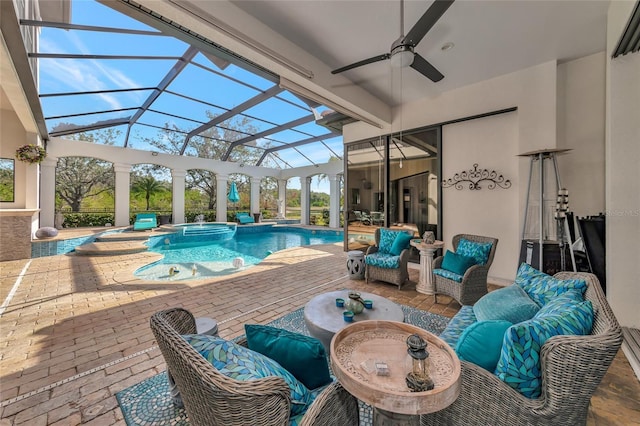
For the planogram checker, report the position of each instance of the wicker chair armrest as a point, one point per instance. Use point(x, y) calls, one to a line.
point(437, 262)
point(333, 406)
point(476, 273)
point(404, 257)
point(372, 249)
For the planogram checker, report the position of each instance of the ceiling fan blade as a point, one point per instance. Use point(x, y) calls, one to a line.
point(361, 63)
point(421, 65)
point(426, 21)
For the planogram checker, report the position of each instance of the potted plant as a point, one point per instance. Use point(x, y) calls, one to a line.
point(31, 153)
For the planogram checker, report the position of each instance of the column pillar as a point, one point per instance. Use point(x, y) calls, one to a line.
point(334, 201)
point(255, 194)
point(305, 184)
point(48, 191)
point(221, 198)
point(282, 198)
point(177, 196)
point(123, 178)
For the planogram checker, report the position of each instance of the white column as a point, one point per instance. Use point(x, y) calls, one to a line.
point(123, 178)
point(334, 201)
point(48, 191)
point(255, 194)
point(282, 198)
point(305, 184)
point(177, 195)
point(221, 198)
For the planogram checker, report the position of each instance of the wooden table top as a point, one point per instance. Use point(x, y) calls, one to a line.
point(355, 348)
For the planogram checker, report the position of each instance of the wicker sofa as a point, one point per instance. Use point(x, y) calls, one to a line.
point(572, 367)
point(211, 398)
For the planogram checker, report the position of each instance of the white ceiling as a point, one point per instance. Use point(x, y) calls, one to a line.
point(491, 38)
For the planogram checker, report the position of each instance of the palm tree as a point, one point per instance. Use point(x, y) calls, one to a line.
point(149, 185)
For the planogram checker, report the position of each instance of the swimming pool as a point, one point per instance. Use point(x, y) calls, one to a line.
point(215, 257)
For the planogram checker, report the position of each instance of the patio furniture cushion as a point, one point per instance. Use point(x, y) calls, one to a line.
point(481, 343)
point(382, 260)
point(457, 263)
point(244, 218)
point(479, 251)
point(241, 363)
point(448, 274)
point(510, 303)
point(519, 365)
point(303, 356)
point(387, 237)
point(400, 243)
point(463, 319)
point(543, 288)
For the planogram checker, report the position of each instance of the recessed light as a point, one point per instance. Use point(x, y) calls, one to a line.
point(447, 46)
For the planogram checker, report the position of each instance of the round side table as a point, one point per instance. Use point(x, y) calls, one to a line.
point(355, 264)
point(425, 283)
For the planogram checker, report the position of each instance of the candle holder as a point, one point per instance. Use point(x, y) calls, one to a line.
point(418, 380)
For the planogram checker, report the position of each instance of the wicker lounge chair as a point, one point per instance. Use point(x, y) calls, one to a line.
point(211, 398)
point(474, 281)
point(572, 368)
point(396, 276)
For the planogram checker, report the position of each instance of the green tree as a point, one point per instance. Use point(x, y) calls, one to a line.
point(78, 178)
point(148, 185)
point(212, 143)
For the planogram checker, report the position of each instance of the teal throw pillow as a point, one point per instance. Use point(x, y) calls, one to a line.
point(242, 363)
point(543, 288)
point(455, 262)
point(303, 356)
point(400, 243)
point(387, 237)
point(481, 343)
point(479, 251)
point(519, 364)
point(509, 303)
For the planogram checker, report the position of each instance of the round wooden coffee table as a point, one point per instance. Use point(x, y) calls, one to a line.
point(323, 318)
point(356, 348)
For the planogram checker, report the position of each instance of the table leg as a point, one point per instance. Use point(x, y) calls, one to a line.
point(425, 283)
point(387, 418)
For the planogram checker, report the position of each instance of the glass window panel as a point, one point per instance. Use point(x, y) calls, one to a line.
point(288, 136)
point(294, 99)
point(260, 125)
point(168, 102)
point(94, 13)
point(293, 157)
point(246, 155)
point(86, 120)
point(312, 129)
point(276, 111)
point(78, 104)
point(82, 75)
point(112, 135)
point(209, 87)
point(163, 120)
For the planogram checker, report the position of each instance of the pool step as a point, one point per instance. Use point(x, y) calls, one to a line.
point(111, 248)
point(125, 236)
point(208, 230)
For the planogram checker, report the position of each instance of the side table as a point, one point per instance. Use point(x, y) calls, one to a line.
point(425, 283)
point(355, 264)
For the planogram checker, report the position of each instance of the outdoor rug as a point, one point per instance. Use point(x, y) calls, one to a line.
point(149, 402)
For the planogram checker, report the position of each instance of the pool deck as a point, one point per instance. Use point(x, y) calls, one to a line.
point(75, 329)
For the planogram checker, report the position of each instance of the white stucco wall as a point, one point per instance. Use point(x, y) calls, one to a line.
point(489, 142)
point(581, 125)
point(623, 173)
point(12, 135)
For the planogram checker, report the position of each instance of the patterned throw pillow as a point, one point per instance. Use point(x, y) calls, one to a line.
point(519, 365)
point(448, 274)
point(387, 237)
point(543, 288)
point(463, 319)
point(479, 251)
point(241, 363)
point(382, 260)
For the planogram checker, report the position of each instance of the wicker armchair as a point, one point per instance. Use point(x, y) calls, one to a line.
point(396, 276)
point(474, 281)
point(572, 368)
point(211, 398)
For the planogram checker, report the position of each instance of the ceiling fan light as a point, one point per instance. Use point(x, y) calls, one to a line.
point(402, 59)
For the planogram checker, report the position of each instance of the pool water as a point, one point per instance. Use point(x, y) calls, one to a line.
point(199, 259)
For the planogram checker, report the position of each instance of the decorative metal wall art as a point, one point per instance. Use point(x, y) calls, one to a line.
point(474, 177)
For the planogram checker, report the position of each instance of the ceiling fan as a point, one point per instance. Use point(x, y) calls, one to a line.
point(402, 54)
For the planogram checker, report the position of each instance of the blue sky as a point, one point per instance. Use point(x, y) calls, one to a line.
point(60, 75)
